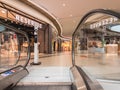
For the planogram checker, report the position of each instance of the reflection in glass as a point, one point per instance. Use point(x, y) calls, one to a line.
point(97, 46)
point(13, 48)
point(9, 47)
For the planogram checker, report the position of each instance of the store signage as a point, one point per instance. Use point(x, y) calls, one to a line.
point(13, 16)
point(28, 21)
point(103, 22)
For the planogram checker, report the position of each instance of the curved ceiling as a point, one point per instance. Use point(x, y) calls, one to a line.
point(69, 12)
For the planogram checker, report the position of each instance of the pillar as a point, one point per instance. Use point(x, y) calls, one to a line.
point(36, 50)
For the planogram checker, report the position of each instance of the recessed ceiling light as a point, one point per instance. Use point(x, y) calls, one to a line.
point(63, 4)
point(71, 15)
point(3, 11)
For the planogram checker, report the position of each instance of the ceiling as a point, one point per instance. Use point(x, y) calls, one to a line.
point(69, 12)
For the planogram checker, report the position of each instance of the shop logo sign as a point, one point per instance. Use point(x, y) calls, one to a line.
point(28, 21)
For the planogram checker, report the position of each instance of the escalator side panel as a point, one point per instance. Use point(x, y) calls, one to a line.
point(8, 82)
point(78, 82)
point(90, 82)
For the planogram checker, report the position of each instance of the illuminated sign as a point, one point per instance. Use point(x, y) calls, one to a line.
point(15, 17)
point(103, 22)
point(28, 21)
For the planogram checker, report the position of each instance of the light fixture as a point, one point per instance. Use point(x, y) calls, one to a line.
point(63, 4)
point(3, 11)
point(71, 15)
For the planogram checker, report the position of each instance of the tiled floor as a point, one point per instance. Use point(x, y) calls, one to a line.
point(58, 59)
point(98, 65)
point(47, 75)
point(53, 70)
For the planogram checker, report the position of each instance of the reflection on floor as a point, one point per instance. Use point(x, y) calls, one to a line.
point(103, 67)
point(58, 59)
point(100, 66)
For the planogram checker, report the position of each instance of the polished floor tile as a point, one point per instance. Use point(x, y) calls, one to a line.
point(104, 66)
point(40, 75)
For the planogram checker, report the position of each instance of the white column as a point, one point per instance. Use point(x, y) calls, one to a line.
point(36, 51)
point(36, 54)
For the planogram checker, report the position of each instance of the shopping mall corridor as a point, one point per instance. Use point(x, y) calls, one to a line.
point(98, 65)
point(56, 59)
point(55, 68)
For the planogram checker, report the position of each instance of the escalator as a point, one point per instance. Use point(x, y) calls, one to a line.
point(78, 77)
point(13, 60)
point(96, 47)
point(95, 25)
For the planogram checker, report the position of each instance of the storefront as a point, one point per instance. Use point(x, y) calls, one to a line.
point(101, 37)
point(27, 23)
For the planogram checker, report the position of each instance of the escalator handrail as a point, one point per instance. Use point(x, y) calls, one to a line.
point(90, 82)
point(24, 33)
point(85, 17)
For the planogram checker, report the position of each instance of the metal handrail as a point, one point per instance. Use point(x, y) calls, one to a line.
point(25, 34)
point(85, 17)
